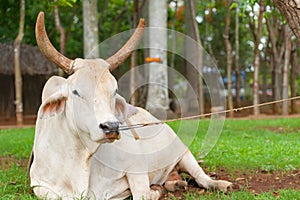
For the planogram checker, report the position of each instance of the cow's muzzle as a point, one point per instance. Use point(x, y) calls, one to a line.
point(111, 130)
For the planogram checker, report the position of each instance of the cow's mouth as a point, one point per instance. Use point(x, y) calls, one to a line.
point(112, 136)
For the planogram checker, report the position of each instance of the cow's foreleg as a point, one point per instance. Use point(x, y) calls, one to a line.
point(189, 165)
point(140, 188)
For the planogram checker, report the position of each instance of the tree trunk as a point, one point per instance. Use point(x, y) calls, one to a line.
point(256, 63)
point(62, 36)
point(194, 73)
point(294, 69)
point(285, 83)
point(229, 59)
point(90, 29)
point(133, 58)
point(158, 98)
point(277, 54)
point(18, 75)
point(237, 49)
point(291, 12)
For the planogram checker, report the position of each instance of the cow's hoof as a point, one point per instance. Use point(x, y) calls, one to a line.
point(224, 186)
point(177, 185)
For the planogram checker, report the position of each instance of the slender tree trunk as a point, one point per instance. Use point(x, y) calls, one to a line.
point(229, 59)
point(277, 54)
point(237, 57)
point(173, 54)
point(158, 96)
point(294, 63)
point(256, 63)
point(17, 66)
point(62, 36)
point(133, 57)
point(285, 83)
point(291, 12)
point(90, 28)
point(194, 73)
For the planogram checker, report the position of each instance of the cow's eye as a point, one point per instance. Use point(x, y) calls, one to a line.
point(75, 92)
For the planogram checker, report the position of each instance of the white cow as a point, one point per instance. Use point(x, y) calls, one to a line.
point(76, 152)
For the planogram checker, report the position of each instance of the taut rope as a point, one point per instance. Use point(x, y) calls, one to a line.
point(140, 125)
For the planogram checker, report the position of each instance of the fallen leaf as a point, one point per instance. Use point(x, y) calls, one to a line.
point(276, 195)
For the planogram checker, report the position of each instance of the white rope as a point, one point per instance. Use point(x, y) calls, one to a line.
point(140, 125)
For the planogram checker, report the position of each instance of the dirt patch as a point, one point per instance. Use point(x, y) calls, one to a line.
point(255, 182)
point(8, 161)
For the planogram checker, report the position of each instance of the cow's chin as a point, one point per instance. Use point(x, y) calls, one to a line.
point(111, 137)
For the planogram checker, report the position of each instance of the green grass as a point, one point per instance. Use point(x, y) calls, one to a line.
point(243, 195)
point(248, 145)
point(243, 145)
point(14, 182)
point(16, 142)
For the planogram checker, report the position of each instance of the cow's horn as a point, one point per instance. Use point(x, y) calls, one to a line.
point(47, 48)
point(130, 46)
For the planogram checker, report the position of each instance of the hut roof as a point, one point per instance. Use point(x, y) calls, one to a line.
point(31, 59)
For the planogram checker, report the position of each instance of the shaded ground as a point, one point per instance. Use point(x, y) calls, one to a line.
point(253, 181)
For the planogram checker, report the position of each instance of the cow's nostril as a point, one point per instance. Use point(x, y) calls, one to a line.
point(104, 126)
point(109, 126)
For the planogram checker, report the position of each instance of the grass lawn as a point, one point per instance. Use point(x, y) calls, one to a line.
point(245, 146)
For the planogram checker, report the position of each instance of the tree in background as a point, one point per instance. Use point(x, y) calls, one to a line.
point(194, 73)
point(229, 58)
point(276, 44)
point(62, 35)
point(286, 65)
point(90, 29)
point(290, 11)
point(158, 96)
point(294, 73)
point(256, 62)
point(237, 55)
point(18, 75)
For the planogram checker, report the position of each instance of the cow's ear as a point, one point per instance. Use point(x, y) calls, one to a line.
point(120, 108)
point(123, 110)
point(53, 97)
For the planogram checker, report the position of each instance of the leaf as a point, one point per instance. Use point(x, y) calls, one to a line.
point(276, 194)
point(233, 6)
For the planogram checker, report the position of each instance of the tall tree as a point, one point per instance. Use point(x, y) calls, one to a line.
point(256, 61)
point(18, 75)
point(194, 73)
point(229, 58)
point(290, 11)
point(294, 73)
point(158, 98)
point(133, 57)
point(274, 26)
point(285, 82)
point(90, 29)
point(62, 35)
point(237, 56)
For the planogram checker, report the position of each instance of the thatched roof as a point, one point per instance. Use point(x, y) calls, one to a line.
point(32, 61)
